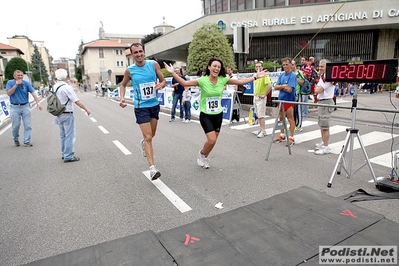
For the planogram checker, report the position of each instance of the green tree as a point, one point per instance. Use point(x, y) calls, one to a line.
point(78, 73)
point(150, 37)
point(39, 71)
point(15, 63)
point(208, 42)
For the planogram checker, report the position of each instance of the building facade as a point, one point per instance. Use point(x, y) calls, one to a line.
point(337, 30)
point(7, 53)
point(26, 45)
point(102, 60)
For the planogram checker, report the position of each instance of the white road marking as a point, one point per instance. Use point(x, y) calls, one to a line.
point(5, 129)
point(385, 160)
point(93, 119)
point(378, 179)
point(121, 147)
point(315, 134)
point(368, 139)
point(169, 194)
point(103, 129)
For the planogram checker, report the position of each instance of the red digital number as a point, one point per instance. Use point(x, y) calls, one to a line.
point(342, 73)
point(360, 71)
point(370, 71)
point(334, 72)
point(351, 71)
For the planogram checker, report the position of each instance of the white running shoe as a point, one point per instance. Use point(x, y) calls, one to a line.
point(261, 134)
point(318, 146)
point(154, 173)
point(201, 159)
point(256, 132)
point(142, 148)
point(206, 164)
point(322, 150)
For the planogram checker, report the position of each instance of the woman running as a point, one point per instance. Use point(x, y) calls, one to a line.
point(211, 112)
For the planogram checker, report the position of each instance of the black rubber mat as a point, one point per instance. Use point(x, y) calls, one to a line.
point(136, 250)
point(286, 229)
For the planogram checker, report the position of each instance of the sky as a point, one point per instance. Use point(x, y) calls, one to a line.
point(63, 25)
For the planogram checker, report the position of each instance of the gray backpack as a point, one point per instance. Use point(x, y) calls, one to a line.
point(54, 105)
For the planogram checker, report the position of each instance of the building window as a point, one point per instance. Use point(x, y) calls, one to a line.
point(225, 5)
point(280, 2)
point(241, 4)
point(269, 3)
point(119, 63)
point(213, 6)
point(295, 2)
point(259, 3)
point(233, 5)
point(249, 4)
point(219, 6)
point(2, 52)
point(101, 53)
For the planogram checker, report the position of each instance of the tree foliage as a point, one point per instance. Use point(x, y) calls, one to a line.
point(78, 73)
point(39, 71)
point(150, 37)
point(208, 42)
point(15, 63)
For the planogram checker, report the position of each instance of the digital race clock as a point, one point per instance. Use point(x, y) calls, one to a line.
point(378, 71)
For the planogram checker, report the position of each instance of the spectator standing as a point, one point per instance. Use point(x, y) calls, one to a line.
point(97, 88)
point(325, 91)
point(102, 88)
point(306, 69)
point(18, 90)
point(66, 120)
point(286, 84)
point(146, 78)
point(187, 104)
point(108, 87)
point(235, 117)
point(262, 87)
point(300, 78)
point(177, 96)
point(212, 85)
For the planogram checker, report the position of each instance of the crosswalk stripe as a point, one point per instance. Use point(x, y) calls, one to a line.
point(368, 139)
point(270, 122)
point(384, 160)
point(316, 134)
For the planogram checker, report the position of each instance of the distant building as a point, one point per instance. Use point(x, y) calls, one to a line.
point(163, 27)
point(7, 53)
point(26, 45)
point(103, 59)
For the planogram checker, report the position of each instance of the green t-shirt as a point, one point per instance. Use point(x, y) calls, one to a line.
point(299, 74)
point(261, 85)
point(211, 95)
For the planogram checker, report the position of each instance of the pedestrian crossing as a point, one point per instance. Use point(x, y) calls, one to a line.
point(368, 139)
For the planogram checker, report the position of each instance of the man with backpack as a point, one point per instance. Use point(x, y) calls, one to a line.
point(66, 120)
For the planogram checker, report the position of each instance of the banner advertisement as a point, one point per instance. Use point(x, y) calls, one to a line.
point(5, 107)
point(165, 96)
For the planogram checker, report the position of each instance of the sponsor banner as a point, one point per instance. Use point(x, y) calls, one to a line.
point(5, 107)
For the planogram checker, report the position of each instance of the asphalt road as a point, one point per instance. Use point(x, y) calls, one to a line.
point(48, 207)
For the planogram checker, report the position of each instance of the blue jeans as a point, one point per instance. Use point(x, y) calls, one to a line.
point(66, 123)
point(16, 113)
point(187, 109)
point(305, 108)
point(177, 98)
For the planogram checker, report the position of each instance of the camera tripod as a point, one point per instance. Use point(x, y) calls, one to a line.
point(347, 148)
